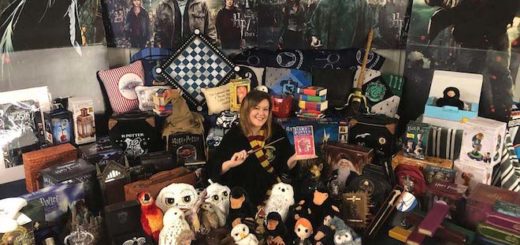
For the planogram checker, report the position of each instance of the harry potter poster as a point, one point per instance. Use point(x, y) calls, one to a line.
point(235, 24)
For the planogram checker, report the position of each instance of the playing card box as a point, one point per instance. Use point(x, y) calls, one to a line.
point(481, 200)
point(482, 141)
point(36, 161)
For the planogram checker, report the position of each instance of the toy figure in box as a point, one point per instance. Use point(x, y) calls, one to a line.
point(451, 97)
point(416, 139)
point(303, 230)
point(275, 230)
point(477, 146)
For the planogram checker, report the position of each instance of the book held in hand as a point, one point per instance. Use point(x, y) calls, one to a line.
point(304, 141)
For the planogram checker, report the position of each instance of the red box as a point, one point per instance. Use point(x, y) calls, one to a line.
point(481, 200)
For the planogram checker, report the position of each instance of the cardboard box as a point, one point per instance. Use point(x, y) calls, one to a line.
point(83, 118)
point(482, 142)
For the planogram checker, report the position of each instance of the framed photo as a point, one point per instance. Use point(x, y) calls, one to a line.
point(238, 90)
point(20, 125)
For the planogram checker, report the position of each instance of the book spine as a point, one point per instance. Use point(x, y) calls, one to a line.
point(316, 106)
point(311, 98)
point(316, 91)
point(433, 219)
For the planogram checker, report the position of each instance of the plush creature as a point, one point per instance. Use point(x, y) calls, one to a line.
point(184, 197)
point(240, 208)
point(151, 215)
point(241, 235)
point(185, 237)
point(218, 195)
point(9, 208)
point(317, 207)
point(451, 97)
point(281, 199)
point(324, 233)
point(174, 223)
point(343, 234)
point(303, 230)
point(209, 217)
point(275, 230)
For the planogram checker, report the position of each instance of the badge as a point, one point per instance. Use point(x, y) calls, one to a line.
point(375, 91)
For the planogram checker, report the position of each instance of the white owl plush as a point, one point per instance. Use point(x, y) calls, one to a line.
point(173, 224)
point(281, 199)
point(179, 195)
point(241, 235)
point(218, 195)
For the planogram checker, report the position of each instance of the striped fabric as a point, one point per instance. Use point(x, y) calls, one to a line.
point(444, 143)
point(510, 166)
point(120, 85)
point(257, 142)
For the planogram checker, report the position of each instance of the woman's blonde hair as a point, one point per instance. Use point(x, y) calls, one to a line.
point(251, 100)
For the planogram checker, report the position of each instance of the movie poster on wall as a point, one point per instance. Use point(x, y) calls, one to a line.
point(273, 24)
point(479, 37)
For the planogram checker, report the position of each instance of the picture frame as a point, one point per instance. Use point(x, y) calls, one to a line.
point(41, 98)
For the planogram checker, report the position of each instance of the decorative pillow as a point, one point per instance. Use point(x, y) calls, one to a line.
point(286, 81)
point(217, 98)
point(254, 74)
point(144, 95)
point(197, 64)
point(120, 85)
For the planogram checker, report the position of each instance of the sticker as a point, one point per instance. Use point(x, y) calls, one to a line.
point(375, 91)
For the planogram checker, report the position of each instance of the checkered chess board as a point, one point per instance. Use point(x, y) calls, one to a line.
point(197, 65)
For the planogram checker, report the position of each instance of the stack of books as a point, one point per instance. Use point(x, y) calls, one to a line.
point(312, 102)
point(161, 102)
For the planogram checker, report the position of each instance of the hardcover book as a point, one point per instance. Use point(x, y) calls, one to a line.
point(313, 106)
point(311, 98)
point(304, 141)
point(312, 90)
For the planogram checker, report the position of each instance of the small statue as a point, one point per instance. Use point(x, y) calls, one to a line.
point(303, 230)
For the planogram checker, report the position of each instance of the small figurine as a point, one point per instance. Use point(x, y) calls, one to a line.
point(477, 146)
point(241, 235)
point(281, 199)
point(151, 215)
point(240, 208)
point(303, 230)
point(209, 218)
point(275, 230)
point(451, 98)
point(174, 223)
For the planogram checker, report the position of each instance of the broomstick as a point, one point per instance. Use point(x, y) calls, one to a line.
point(356, 102)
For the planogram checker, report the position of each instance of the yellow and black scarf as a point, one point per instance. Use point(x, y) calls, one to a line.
point(257, 142)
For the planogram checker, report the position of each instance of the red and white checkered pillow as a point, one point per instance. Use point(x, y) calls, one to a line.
point(120, 85)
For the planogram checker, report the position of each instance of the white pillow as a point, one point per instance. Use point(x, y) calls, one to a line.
point(144, 94)
point(217, 98)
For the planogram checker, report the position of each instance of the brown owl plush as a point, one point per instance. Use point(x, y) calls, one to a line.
point(209, 216)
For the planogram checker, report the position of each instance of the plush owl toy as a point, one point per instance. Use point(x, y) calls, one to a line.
point(241, 235)
point(343, 234)
point(174, 225)
point(184, 197)
point(281, 199)
point(218, 195)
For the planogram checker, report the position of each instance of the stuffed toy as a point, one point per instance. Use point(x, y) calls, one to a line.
point(343, 235)
point(303, 230)
point(183, 120)
point(209, 217)
point(186, 237)
point(9, 208)
point(151, 215)
point(324, 233)
point(241, 211)
point(281, 199)
point(317, 207)
point(174, 224)
point(184, 197)
point(451, 98)
point(241, 235)
point(275, 230)
point(218, 195)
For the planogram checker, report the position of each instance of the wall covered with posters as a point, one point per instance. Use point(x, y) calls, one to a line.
point(234, 24)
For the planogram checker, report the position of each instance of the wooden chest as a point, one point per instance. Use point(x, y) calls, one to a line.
point(35, 161)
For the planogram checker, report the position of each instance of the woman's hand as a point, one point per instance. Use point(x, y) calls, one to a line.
point(237, 159)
